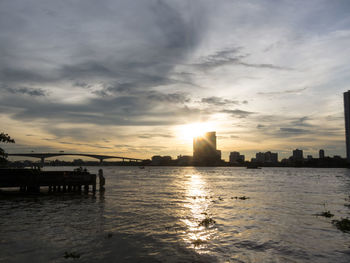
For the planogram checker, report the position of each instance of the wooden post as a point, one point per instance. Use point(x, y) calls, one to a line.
point(102, 180)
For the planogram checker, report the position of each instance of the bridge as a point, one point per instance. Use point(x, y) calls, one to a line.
point(43, 156)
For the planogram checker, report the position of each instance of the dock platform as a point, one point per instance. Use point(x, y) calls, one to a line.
point(31, 180)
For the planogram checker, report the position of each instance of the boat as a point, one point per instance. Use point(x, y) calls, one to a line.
point(253, 166)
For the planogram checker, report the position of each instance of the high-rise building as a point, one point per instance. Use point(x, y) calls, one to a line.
point(236, 157)
point(298, 155)
point(321, 154)
point(347, 123)
point(204, 149)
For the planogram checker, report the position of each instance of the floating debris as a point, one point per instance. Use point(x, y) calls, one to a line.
point(343, 224)
point(198, 242)
point(71, 255)
point(326, 214)
point(220, 198)
point(207, 222)
point(240, 197)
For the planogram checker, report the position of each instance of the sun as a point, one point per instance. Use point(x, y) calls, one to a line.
point(192, 130)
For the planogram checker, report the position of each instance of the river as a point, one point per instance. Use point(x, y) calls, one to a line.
point(184, 214)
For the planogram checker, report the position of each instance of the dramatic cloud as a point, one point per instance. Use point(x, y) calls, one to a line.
point(94, 75)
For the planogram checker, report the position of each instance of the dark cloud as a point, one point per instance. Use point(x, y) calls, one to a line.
point(25, 91)
point(137, 44)
point(219, 101)
point(153, 135)
point(262, 66)
point(141, 108)
point(233, 56)
point(301, 122)
point(260, 126)
point(238, 113)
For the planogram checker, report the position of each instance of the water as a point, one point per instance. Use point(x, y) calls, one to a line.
point(154, 215)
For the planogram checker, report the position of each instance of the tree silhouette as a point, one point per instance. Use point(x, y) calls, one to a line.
point(4, 138)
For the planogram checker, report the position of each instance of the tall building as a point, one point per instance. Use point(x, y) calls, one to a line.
point(298, 155)
point(236, 157)
point(204, 149)
point(267, 157)
point(321, 154)
point(347, 123)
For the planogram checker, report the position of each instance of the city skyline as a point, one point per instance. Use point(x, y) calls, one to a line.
point(129, 78)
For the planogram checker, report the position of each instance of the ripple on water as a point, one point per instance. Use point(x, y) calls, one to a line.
point(155, 215)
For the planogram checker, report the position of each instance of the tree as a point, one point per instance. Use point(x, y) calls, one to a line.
point(4, 138)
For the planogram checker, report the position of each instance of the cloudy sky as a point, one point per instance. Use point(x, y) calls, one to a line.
point(126, 77)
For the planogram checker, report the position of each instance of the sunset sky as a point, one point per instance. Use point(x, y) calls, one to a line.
point(131, 77)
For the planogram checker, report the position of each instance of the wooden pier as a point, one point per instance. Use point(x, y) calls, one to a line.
point(30, 180)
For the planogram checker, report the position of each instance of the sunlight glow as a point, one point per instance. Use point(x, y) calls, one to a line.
point(189, 131)
point(198, 203)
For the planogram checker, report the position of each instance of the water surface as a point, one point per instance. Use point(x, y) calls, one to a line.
point(154, 215)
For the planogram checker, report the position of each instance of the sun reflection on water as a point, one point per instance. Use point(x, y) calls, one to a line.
point(198, 202)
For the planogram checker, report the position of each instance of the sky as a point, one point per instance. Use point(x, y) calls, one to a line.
point(131, 77)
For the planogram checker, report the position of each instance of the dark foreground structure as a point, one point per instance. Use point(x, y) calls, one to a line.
point(347, 123)
point(30, 180)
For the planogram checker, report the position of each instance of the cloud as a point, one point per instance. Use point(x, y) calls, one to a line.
point(141, 108)
point(26, 91)
point(294, 131)
point(238, 113)
point(153, 135)
point(291, 91)
point(217, 101)
point(233, 57)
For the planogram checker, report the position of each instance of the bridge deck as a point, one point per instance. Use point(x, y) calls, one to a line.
point(96, 156)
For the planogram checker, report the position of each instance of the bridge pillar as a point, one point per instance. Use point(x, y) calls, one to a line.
point(42, 161)
point(101, 161)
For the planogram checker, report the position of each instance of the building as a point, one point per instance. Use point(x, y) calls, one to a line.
point(161, 160)
point(347, 122)
point(321, 154)
point(184, 160)
point(236, 158)
point(204, 150)
point(267, 157)
point(298, 155)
